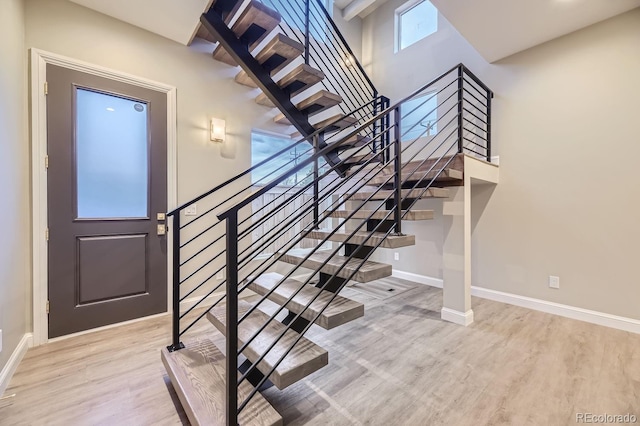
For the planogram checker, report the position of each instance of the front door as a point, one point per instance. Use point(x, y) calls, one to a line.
point(107, 184)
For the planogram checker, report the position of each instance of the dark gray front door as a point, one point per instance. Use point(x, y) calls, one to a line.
point(107, 182)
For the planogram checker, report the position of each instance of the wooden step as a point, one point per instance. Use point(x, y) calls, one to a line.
point(337, 122)
point(204, 34)
point(254, 23)
point(362, 159)
point(279, 53)
point(243, 78)
point(381, 214)
point(359, 237)
point(300, 78)
point(281, 119)
point(305, 358)
point(319, 102)
point(405, 194)
point(263, 99)
point(227, 8)
point(340, 311)
point(447, 175)
point(355, 141)
point(197, 373)
point(369, 271)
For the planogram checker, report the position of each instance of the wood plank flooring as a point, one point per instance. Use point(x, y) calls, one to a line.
point(398, 365)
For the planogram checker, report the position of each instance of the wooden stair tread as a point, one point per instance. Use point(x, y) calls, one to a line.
point(359, 237)
point(305, 358)
point(369, 271)
point(204, 34)
point(355, 141)
point(319, 102)
point(243, 78)
point(361, 159)
point(281, 119)
point(424, 177)
point(254, 23)
point(197, 373)
point(381, 214)
point(406, 193)
point(278, 53)
point(300, 78)
point(340, 311)
point(263, 99)
point(339, 121)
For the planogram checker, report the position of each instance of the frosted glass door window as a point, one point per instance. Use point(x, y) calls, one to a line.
point(112, 165)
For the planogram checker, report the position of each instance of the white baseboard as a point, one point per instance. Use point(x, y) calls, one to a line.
point(573, 312)
point(14, 360)
point(594, 317)
point(422, 279)
point(457, 317)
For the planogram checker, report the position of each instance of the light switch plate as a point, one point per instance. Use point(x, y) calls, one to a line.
point(192, 210)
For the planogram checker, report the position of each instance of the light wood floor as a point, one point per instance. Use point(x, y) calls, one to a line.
point(399, 365)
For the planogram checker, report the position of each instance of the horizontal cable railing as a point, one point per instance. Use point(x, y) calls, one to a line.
point(219, 254)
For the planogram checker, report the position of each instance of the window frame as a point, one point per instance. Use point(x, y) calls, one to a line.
point(398, 23)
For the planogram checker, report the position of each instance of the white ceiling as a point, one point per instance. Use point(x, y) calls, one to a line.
point(499, 28)
point(174, 19)
point(496, 28)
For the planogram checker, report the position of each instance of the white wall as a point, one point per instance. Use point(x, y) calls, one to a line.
point(15, 228)
point(565, 127)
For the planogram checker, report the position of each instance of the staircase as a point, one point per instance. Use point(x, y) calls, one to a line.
point(365, 172)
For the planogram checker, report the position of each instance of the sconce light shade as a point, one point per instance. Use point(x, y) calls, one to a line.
point(218, 130)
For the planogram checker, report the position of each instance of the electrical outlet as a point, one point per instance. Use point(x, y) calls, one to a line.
point(396, 256)
point(192, 210)
point(220, 275)
point(554, 282)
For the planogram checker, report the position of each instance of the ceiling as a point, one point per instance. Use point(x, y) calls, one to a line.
point(499, 28)
point(496, 28)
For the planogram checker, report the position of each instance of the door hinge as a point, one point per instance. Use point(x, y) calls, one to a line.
point(46, 161)
point(47, 306)
point(46, 234)
point(46, 87)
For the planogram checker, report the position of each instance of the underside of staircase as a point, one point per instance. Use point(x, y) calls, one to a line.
point(367, 179)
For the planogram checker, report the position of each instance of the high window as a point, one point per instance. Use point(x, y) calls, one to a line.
point(415, 20)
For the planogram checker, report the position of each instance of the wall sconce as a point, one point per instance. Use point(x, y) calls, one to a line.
point(218, 130)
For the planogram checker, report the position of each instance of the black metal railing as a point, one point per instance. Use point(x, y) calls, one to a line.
point(219, 254)
point(325, 48)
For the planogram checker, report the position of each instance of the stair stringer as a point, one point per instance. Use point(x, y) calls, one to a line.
point(239, 51)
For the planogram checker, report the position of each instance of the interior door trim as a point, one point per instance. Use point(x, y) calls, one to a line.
point(38, 65)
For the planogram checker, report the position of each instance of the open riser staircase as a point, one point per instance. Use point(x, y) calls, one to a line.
point(293, 252)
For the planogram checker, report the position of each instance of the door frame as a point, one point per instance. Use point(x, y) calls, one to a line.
point(38, 66)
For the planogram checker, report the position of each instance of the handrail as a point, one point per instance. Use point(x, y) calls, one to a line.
point(328, 148)
point(265, 161)
point(342, 39)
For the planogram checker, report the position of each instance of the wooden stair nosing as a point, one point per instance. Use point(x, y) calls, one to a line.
point(279, 52)
point(355, 141)
point(361, 159)
point(435, 175)
point(300, 78)
point(340, 311)
point(359, 237)
point(369, 271)
point(281, 119)
point(255, 15)
point(263, 99)
point(305, 358)
point(381, 214)
point(319, 102)
point(243, 78)
point(197, 373)
point(339, 121)
point(405, 194)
